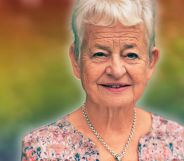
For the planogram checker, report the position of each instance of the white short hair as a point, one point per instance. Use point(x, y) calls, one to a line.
point(109, 12)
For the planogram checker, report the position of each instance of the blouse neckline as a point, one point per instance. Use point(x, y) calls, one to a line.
point(86, 138)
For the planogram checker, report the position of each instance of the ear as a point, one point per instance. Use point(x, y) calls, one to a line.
point(75, 64)
point(155, 55)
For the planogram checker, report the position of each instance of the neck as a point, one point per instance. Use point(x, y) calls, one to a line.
point(110, 120)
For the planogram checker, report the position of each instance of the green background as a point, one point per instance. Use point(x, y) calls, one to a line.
point(36, 82)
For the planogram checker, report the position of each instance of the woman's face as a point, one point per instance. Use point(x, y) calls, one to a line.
point(114, 67)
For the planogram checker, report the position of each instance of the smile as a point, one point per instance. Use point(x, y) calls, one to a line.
point(114, 87)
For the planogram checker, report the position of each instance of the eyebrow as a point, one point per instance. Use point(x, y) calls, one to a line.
point(107, 48)
point(128, 46)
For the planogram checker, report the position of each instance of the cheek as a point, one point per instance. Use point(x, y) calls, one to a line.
point(89, 74)
point(138, 73)
point(139, 76)
point(140, 82)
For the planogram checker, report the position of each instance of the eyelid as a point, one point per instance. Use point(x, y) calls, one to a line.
point(133, 50)
point(102, 54)
point(99, 51)
point(130, 52)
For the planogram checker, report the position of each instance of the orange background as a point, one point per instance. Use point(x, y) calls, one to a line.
point(36, 83)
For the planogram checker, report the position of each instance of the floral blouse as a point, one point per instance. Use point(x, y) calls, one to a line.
point(60, 141)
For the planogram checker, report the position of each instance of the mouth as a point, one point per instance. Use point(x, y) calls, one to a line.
point(115, 87)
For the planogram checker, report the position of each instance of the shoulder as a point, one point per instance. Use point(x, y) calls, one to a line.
point(165, 141)
point(45, 141)
point(57, 141)
point(167, 128)
point(49, 132)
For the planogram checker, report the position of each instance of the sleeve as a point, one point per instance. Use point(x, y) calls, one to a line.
point(177, 142)
point(180, 143)
point(29, 151)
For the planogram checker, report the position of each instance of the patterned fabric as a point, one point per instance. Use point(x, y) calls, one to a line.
point(60, 141)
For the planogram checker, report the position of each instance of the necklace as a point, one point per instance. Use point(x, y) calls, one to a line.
point(117, 157)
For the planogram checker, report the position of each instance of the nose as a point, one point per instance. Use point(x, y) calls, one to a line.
point(116, 68)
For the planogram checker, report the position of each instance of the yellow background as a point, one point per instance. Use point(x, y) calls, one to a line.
point(36, 83)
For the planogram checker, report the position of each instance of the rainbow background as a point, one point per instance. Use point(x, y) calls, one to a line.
point(36, 82)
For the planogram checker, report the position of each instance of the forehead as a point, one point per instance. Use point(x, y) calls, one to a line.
point(116, 31)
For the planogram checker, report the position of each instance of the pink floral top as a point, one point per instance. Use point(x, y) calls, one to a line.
point(60, 141)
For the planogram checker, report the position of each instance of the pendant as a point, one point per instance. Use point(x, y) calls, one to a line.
point(118, 158)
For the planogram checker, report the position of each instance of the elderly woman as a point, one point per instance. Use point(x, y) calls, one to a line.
point(114, 56)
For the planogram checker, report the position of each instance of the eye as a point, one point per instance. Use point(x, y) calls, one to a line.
point(99, 54)
point(132, 56)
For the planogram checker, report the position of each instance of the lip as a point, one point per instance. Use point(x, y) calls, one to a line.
point(115, 87)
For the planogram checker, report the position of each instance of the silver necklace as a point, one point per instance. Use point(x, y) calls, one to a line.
point(117, 157)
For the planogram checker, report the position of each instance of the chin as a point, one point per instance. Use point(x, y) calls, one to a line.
point(118, 102)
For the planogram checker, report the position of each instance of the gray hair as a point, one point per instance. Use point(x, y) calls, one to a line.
point(109, 12)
